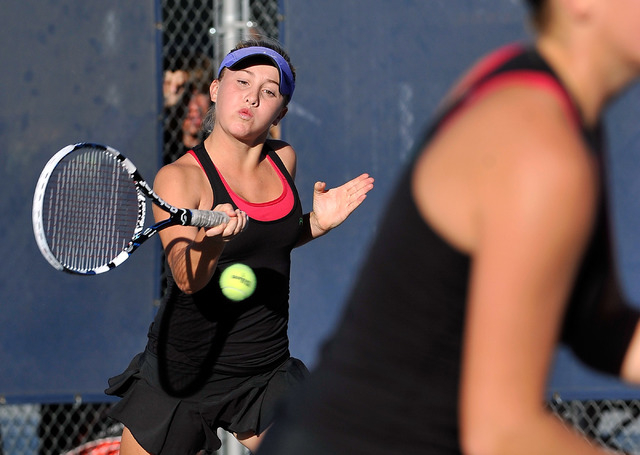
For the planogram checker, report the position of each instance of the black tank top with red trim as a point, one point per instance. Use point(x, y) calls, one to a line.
point(387, 380)
point(249, 336)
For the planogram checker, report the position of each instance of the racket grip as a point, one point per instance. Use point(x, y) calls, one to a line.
point(207, 218)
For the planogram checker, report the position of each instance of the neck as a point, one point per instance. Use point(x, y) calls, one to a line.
point(228, 149)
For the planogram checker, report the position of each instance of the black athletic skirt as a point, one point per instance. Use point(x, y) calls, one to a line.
point(166, 424)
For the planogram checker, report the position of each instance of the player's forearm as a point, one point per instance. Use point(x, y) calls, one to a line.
point(630, 370)
point(193, 265)
point(542, 434)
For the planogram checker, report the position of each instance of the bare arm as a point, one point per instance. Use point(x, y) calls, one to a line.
point(534, 196)
point(631, 365)
point(192, 253)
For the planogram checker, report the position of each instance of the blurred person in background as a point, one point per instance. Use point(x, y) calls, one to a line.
point(495, 247)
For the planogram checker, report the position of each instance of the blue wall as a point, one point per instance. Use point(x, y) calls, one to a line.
point(71, 71)
point(370, 73)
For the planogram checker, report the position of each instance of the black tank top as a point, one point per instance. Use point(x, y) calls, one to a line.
point(387, 379)
point(245, 337)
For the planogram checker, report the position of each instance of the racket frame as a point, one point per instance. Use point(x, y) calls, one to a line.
point(177, 216)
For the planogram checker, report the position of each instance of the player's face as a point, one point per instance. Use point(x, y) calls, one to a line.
point(249, 99)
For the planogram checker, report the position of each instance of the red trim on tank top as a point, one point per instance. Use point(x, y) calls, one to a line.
point(486, 66)
point(261, 211)
point(526, 77)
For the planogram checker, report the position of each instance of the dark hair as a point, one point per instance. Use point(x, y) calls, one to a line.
point(207, 122)
point(537, 9)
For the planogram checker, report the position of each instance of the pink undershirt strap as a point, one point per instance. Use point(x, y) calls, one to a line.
point(262, 211)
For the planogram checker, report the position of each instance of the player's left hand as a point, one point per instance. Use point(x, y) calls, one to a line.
point(331, 207)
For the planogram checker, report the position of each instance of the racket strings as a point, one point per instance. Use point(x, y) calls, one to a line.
point(91, 209)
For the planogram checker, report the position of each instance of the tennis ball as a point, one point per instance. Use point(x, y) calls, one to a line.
point(238, 282)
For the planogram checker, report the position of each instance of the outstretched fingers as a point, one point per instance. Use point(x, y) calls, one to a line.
point(357, 190)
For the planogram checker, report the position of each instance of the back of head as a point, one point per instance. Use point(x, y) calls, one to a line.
point(537, 10)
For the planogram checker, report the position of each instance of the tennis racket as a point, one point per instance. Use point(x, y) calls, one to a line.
point(89, 209)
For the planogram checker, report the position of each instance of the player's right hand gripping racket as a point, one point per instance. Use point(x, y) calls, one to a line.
point(89, 209)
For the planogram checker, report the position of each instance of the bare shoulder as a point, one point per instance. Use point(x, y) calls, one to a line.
point(286, 153)
point(535, 166)
point(518, 133)
point(176, 173)
point(538, 142)
point(512, 150)
point(182, 182)
point(282, 148)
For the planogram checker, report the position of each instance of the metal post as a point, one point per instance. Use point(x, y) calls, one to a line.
point(231, 18)
point(230, 445)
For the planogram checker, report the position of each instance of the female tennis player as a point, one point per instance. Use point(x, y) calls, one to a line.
point(498, 249)
point(211, 362)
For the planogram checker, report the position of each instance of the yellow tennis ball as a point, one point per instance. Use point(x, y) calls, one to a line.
point(238, 282)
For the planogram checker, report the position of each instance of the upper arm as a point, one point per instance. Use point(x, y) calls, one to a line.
point(534, 209)
point(179, 186)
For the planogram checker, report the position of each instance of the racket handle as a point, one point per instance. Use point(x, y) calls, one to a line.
point(207, 218)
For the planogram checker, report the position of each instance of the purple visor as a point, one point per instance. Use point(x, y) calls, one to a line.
point(287, 84)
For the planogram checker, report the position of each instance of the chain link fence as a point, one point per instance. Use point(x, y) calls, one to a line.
point(196, 35)
point(613, 423)
point(83, 429)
